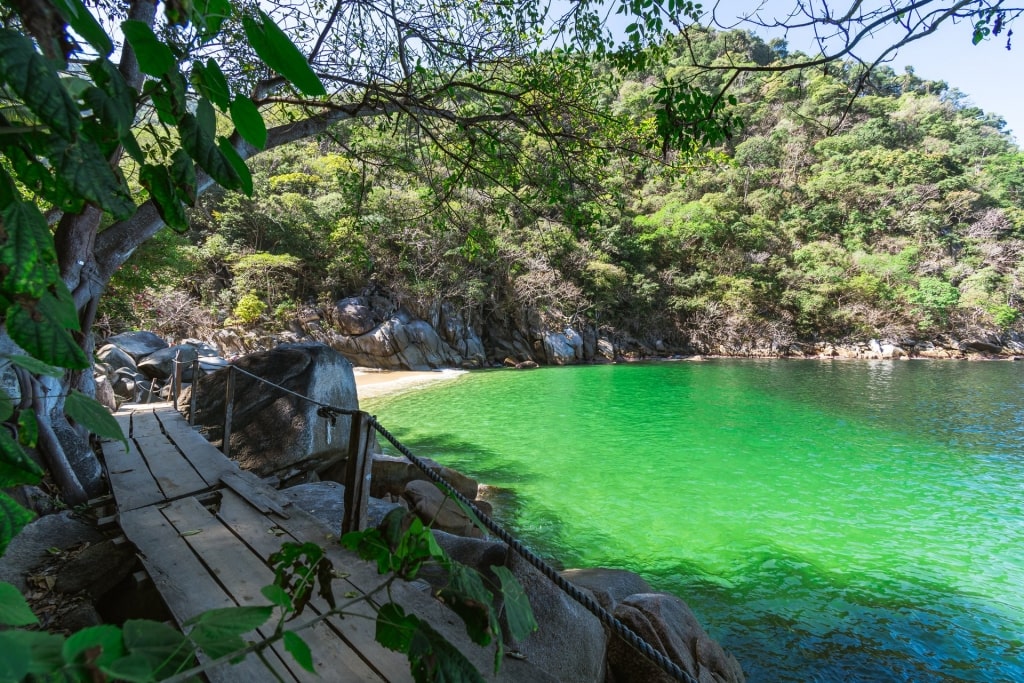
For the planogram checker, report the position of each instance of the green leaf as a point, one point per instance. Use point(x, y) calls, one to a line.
point(208, 15)
point(202, 149)
point(278, 596)
point(15, 661)
point(37, 84)
point(6, 405)
point(518, 613)
point(155, 58)
point(86, 171)
point(210, 82)
point(14, 609)
point(281, 55)
point(165, 196)
point(467, 596)
point(249, 122)
point(106, 77)
point(16, 467)
point(43, 650)
point(395, 627)
point(237, 163)
point(183, 175)
point(84, 24)
point(218, 632)
point(28, 252)
point(28, 429)
point(34, 365)
point(166, 649)
point(434, 660)
point(131, 668)
point(13, 519)
point(206, 116)
point(38, 327)
point(92, 415)
point(298, 649)
point(94, 646)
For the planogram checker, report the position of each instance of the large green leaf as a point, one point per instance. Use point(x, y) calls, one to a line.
point(14, 609)
point(249, 122)
point(206, 116)
point(86, 171)
point(166, 648)
point(154, 57)
point(183, 175)
point(395, 627)
point(92, 415)
point(219, 631)
point(94, 646)
point(518, 613)
point(467, 596)
point(434, 660)
point(208, 15)
point(37, 327)
point(14, 660)
point(204, 151)
point(298, 649)
point(281, 55)
point(16, 467)
point(6, 405)
point(237, 163)
point(165, 196)
point(33, 80)
point(28, 253)
point(210, 82)
point(13, 519)
point(43, 650)
point(84, 24)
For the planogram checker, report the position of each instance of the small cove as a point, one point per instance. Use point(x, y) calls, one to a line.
point(853, 521)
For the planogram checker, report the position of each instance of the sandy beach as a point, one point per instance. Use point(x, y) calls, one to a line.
point(371, 383)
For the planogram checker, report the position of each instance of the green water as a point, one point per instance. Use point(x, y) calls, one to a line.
point(827, 521)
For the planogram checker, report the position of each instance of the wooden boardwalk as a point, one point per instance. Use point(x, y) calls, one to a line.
point(203, 530)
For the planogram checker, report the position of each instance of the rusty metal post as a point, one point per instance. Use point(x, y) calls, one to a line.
point(229, 407)
point(195, 389)
point(357, 475)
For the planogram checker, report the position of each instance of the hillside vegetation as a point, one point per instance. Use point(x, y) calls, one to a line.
point(849, 207)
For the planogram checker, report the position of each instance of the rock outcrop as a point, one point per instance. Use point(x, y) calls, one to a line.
point(274, 431)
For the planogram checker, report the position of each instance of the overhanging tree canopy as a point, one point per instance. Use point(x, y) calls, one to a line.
point(120, 113)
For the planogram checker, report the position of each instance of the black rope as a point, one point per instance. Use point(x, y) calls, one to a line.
point(586, 600)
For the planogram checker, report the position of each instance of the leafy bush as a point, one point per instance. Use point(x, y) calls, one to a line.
point(249, 309)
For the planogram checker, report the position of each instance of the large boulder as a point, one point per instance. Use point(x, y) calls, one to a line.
point(160, 364)
point(433, 507)
point(570, 643)
point(34, 545)
point(668, 625)
point(391, 475)
point(558, 349)
point(403, 342)
point(354, 317)
point(138, 344)
point(115, 359)
point(609, 586)
point(325, 500)
point(274, 429)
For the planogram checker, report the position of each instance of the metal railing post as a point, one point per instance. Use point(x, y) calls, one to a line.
point(229, 407)
point(176, 379)
point(357, 475)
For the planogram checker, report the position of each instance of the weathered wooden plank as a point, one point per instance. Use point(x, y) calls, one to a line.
point(244, 573)
point(144, 423)
point(186, 586)
point(132, 482)
point(357, 476)
point(204, 456)
point(248, 486)
point(265, 536)
point(173, 473)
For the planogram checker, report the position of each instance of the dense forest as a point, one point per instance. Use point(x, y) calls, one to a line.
point(850, 205)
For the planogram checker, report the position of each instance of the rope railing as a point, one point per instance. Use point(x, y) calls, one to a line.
point(361, 417)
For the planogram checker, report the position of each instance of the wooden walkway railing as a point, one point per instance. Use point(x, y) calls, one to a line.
point(204, 528)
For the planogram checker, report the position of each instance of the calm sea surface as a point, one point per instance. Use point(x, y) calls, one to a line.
point(827, 521)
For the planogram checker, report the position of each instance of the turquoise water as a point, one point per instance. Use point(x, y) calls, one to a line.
point(826, 521)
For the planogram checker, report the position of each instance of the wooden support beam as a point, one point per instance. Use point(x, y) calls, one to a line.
point(357, 475)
